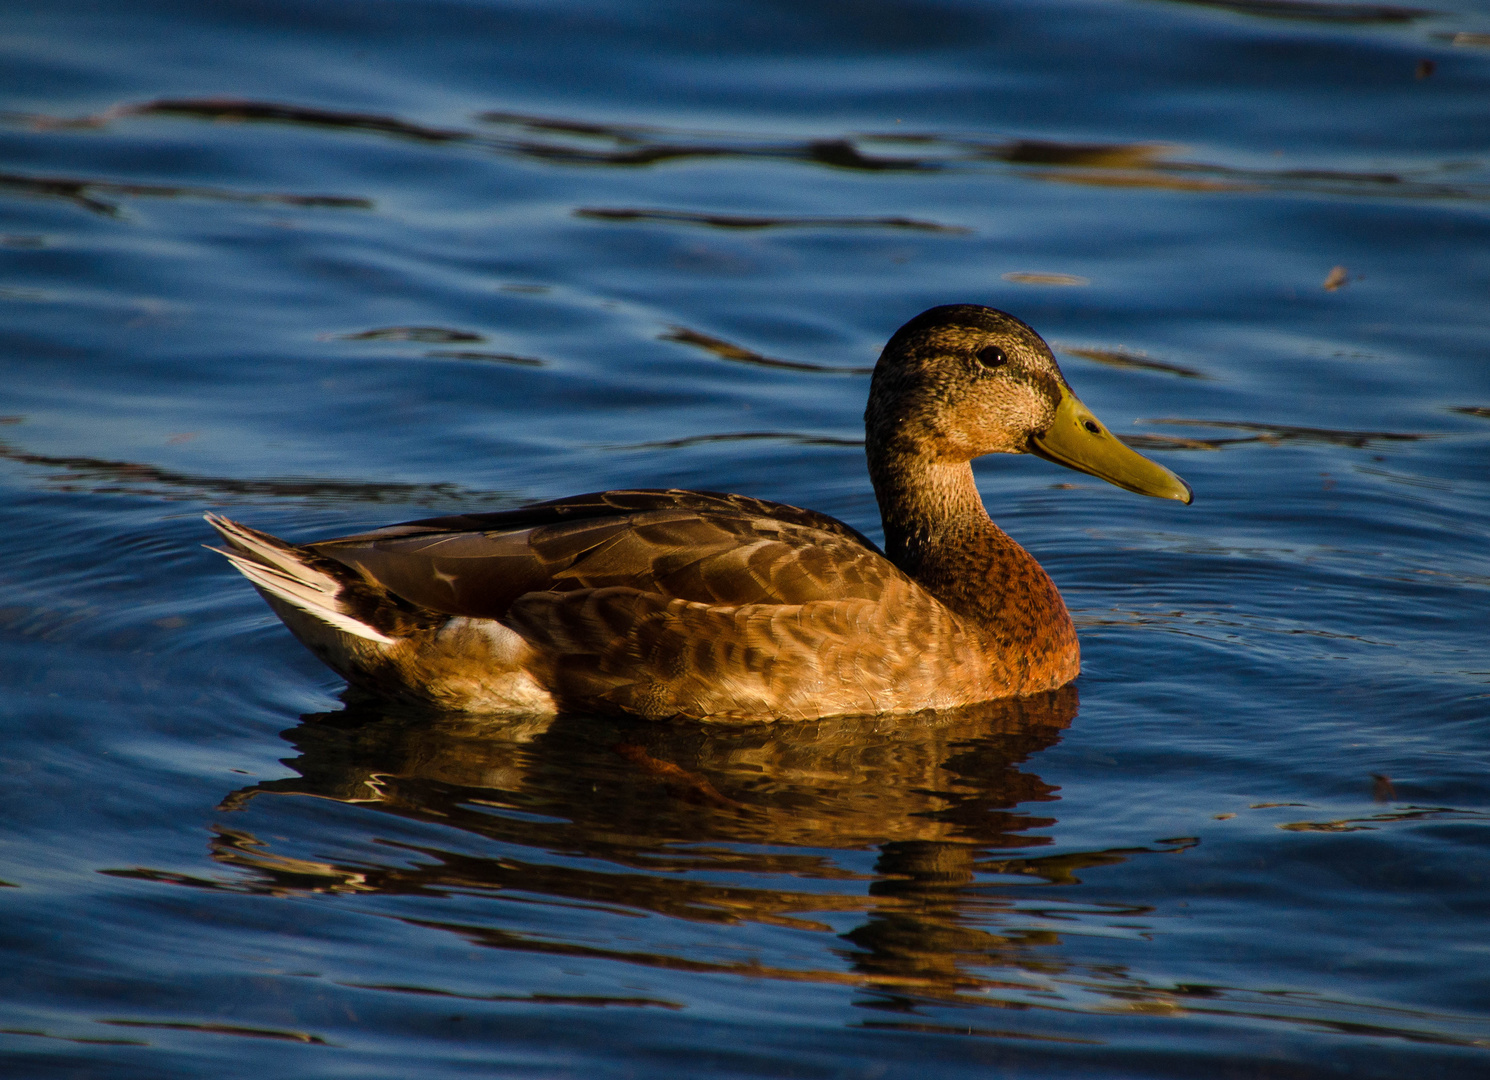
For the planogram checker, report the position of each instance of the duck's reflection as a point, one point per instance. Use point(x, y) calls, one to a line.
point(846, 782)
point(894, 822)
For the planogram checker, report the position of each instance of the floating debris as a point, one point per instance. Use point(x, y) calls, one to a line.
point(1337, 277)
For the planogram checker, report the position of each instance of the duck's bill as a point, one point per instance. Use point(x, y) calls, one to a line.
point(1078, 440)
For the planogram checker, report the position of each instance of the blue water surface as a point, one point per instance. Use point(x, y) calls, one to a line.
point(326, 265)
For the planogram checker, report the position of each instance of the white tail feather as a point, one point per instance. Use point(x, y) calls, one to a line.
point(274, 568)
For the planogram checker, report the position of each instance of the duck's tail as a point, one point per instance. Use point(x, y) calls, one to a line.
point(377, 639)
point(298, 582)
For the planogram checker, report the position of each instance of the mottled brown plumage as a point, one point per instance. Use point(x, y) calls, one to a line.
point(697, 604)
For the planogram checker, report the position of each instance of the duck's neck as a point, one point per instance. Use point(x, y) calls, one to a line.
point(937, 531)
point(930, 510)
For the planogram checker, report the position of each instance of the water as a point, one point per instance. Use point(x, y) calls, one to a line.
point(327, 266)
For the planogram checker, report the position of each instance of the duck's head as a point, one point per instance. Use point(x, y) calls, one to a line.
point(964, 380)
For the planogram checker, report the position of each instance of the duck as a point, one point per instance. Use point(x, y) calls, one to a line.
point(701, 605)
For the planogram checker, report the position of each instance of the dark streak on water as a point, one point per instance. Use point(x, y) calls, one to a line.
point(727, 351)
point(739, 221)
point(326, 266)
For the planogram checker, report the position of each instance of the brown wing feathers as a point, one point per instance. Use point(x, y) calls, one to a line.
point(724, 550)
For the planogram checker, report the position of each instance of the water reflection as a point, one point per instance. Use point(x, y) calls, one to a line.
point(726, 350)
point(1124, 358)
point(845, 782)
point(100, 476)
point(881, 840)
point(757, 221)
point(1314, 11)
point(890, 856)
point(896, 823)
point(85, 192)
point(557, 141)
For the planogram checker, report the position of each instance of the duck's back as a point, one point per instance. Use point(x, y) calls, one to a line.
point(698, 546)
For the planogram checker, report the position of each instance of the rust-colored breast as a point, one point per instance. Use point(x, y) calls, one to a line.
point(999, 589)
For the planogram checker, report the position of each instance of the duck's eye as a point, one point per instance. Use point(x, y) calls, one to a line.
point(991, 356)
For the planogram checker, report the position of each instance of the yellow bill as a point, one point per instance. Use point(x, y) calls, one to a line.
point(1078, 440)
